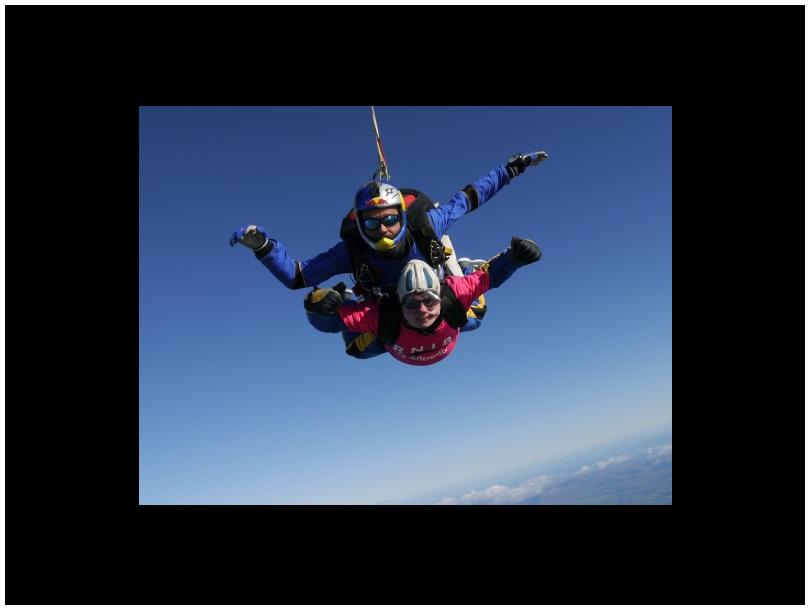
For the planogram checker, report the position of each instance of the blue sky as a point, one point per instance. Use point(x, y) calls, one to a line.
point(242, 402)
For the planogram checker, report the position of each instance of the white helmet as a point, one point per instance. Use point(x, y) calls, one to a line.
point(416, 277)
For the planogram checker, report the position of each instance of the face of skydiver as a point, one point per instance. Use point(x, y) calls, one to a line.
point(380, 201)
point(420, 310)
point(383, 219)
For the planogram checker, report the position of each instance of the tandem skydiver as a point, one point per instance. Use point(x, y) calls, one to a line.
point(386, 228)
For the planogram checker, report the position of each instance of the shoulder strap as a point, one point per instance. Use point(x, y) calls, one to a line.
point(364, 277)
point(390, 319)
point(348, 226)
point(452, 310)
point(424, 234)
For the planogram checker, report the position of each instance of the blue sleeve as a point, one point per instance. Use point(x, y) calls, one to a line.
point(501, 269)
point(334, 261)
point(450, 211)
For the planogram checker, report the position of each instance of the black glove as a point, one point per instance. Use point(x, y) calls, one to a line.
point(324, 301)
point(524, 251)
point(517, 164)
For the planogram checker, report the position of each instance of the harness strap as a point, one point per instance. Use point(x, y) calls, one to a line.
point(390, 321)
point(452, 310)
point(422, 229)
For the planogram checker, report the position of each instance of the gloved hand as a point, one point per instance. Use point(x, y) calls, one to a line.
point(518, 163)
point(524, 251)
point(251, 236)
point(324, 301)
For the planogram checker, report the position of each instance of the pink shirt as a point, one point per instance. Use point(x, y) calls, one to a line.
point(412, 347)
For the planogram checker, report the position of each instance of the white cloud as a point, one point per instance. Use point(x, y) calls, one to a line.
point(501, 494)
point(656, 452)
point(590, 468)
point(614, 460)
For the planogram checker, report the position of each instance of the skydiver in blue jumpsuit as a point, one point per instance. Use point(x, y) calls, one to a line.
point(386, 252)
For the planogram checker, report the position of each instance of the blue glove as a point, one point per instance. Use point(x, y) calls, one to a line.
point(518, 163)
point(251, 236)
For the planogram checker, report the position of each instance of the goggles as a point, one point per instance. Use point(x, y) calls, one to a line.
point(372, 224)
point(413, 303)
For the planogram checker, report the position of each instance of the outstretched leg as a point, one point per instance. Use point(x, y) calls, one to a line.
point(479, 306)
point(362, 345)
point(465, 266)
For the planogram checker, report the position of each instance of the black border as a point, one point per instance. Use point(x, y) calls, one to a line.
point(75, 77)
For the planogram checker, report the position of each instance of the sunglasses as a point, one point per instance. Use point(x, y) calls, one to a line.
point(372, 224)
point(414, 304)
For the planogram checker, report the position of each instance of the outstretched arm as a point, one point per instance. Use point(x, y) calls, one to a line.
point(495, 272)
point(520, 252)
point(327, 312)
point(290, 272)
point(474, 195)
